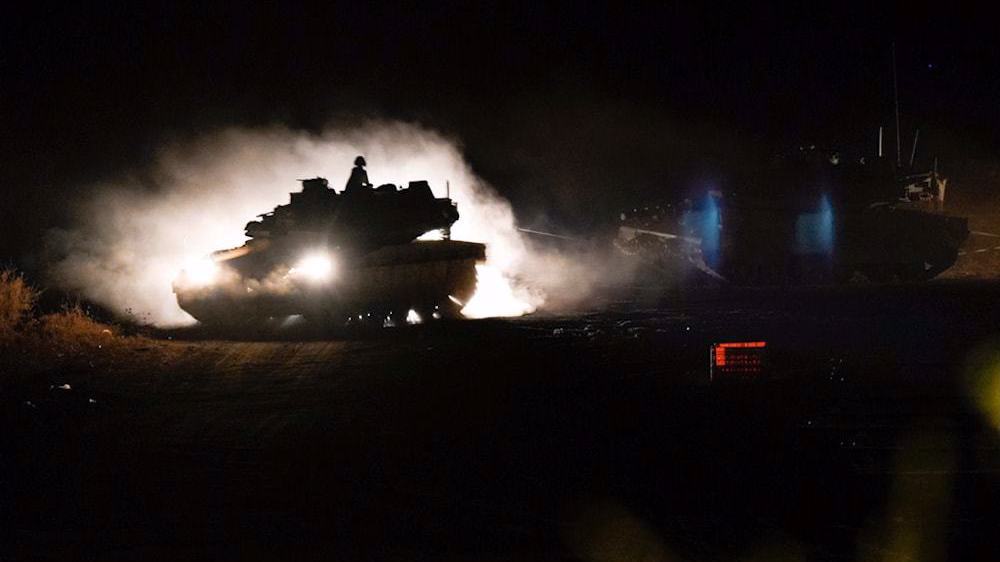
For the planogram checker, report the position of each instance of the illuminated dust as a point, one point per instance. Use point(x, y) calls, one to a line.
point(135, 235)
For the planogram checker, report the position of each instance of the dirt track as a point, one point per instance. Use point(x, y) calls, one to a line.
point(539, 437)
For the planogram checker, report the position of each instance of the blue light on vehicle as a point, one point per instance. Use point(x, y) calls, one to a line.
point(709, 231)
point(815, 233)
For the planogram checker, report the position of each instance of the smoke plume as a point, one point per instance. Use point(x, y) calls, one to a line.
point(133, 236)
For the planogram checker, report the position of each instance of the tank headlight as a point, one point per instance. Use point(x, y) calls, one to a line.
point(314, 267)
point(201, 272)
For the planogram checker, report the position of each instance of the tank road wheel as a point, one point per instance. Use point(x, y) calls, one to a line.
point(450, 310)
point(232, 321)
point(442, 309)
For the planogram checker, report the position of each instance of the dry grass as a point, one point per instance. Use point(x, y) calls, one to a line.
point(17, 298)
point(72, 329)
point(31, 343)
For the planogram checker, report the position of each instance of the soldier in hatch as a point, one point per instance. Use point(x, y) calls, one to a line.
point(359, 177)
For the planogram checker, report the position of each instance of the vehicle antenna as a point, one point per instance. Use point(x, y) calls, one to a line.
point(446, 232)
point(895, 96)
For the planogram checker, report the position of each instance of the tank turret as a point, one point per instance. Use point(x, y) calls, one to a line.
point(382, 216)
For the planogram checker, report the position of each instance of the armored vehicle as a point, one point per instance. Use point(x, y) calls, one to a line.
point(807, 218)
point(339, 258)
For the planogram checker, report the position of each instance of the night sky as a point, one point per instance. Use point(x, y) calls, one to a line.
point(566, 109)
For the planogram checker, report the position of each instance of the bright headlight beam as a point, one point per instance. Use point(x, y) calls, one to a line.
point(314, 267)
point(201, 272)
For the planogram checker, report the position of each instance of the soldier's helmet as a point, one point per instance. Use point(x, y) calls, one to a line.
point(360, 161)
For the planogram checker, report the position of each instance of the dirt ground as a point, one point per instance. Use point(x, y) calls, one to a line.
point(595, 435)
point(980, 255)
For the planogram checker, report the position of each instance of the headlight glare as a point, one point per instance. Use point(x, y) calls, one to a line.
point(314, 267)
point(201, 272)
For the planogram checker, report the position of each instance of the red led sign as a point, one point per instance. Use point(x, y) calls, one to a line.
point(737, 358)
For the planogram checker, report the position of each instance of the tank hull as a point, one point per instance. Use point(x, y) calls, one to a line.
point(429, 277)
point(767, 245)
point(889, 243)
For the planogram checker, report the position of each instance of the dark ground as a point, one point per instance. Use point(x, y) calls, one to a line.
point(589, 436)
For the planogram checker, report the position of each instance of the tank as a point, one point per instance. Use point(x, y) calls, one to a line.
point(807, 218)
point(338, 258)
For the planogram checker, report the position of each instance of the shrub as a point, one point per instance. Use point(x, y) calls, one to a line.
point(73, 329)
point(17, 298)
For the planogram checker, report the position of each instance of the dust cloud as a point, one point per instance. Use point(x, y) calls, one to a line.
point(134, 235)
